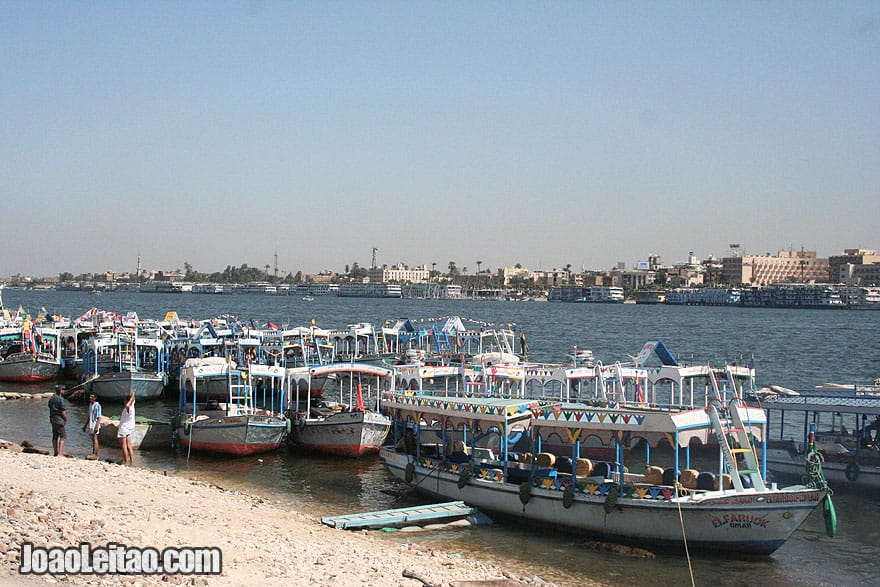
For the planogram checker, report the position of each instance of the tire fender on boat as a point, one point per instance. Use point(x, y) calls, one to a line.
point(852, 471)
point(410, 472)
point(464, 476)
point(568, 496)
point(525, 493)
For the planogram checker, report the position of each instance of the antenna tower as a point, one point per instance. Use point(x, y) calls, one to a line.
point(373, 266)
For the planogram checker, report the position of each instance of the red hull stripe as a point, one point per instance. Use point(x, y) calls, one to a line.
point(238, 450)
point(28, 378)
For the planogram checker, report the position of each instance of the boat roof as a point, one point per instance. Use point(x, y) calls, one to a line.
point(490, 409)
point(606, 421)
point(853, 404)
point(658, 349)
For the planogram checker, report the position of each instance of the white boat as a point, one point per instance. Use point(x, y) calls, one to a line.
point(849, 441)
point(345, 428)
point(308, 299)
point(244, 424)
point(115, 365)
point(29, 353)
point(734, 511)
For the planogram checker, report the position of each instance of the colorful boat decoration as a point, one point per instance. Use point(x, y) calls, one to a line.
point(491, 453)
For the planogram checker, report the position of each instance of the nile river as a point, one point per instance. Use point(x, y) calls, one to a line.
point(792, 348)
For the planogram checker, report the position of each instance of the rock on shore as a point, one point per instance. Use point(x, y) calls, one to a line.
point(64, 501)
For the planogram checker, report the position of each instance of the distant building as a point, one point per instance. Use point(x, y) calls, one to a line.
point(508, 273)
point(801, 266)
point(325, 276)
point(399, 273)
point(854, 266)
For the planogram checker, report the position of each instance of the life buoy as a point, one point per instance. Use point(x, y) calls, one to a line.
point(852, 471)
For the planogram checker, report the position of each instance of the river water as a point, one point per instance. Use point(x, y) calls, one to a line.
point(793, 348)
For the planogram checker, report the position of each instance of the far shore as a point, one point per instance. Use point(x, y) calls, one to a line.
point(51, 501)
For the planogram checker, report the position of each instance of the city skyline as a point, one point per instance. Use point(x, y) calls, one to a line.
point(442, 268)
point(584, 133)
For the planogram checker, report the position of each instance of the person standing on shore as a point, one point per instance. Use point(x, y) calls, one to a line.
point(125, 430)
point(58, 419)
point(93, 426)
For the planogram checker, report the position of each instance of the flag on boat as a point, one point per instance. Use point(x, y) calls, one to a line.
point(273, 326)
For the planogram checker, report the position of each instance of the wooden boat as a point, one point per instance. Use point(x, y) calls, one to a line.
point(730, 509)
point(345, 428)
point(148, 434)
point(240, 425)
point(28, 367)
point(30, 354)
point(115, 365)
point(850, 446)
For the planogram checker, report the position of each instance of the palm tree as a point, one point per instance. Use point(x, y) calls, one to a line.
point(479, 263)
point(453, 270)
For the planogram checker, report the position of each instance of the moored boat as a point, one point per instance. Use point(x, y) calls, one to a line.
point(345, 428)
point(239, 426)
point(730, 508)
point(148, 434)
point(29, 353)
point(28, 367)
point(115, 365)
point(850, 443)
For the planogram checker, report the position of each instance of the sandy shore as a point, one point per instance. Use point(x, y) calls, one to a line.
point(64, 501)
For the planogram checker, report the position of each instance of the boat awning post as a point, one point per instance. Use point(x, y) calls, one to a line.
point(676, 462)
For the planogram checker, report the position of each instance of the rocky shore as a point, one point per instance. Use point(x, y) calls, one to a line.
point(52, 501)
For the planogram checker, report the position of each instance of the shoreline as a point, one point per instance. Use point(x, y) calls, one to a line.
point(53, 501)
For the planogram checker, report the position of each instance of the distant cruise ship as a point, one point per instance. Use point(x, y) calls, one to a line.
point(317, 289)
point(257, 288)
point(369, 290)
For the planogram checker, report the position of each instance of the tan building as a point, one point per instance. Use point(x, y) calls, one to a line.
point(843, 268)
point(399, 273)
point(786, 266)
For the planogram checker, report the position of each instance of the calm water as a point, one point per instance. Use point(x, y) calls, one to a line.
point(793, 348)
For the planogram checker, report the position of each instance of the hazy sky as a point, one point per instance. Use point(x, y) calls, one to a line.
point(542, 133)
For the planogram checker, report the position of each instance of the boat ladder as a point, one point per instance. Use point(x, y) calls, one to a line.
point(729, 428)
point(402, 516)
point(441, 339)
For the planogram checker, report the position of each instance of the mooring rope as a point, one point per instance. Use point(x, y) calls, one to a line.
point(679, 488)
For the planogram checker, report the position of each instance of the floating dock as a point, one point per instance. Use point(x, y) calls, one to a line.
point(449, 511)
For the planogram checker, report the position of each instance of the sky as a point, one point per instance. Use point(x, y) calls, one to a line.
point(542, 133)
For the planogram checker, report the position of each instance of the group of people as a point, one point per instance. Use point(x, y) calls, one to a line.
point(58, 420)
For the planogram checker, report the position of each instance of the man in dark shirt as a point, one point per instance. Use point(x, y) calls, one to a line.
point(58, 419)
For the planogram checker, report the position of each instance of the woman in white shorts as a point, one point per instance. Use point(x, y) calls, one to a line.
point(125, 430)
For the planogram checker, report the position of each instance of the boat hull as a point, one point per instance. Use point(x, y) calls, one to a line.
point(839, 475)
point(117, 386)
point(749, 522)
point(349, 434)
point(150, 435)
point(28, 368)
point(233, 435)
